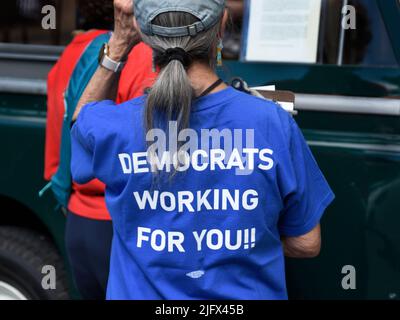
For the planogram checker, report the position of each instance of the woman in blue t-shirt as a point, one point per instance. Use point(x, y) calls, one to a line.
point(208, 188)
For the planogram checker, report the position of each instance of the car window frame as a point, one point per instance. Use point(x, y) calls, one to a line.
point(390, 12)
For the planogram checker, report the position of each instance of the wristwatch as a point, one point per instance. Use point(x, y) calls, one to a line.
point(106, 62)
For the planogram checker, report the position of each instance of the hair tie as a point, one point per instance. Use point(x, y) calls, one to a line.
point(173, 54)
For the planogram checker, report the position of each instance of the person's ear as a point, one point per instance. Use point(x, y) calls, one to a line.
point(224, 21)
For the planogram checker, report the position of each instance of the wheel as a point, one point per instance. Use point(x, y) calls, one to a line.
point(23, 254)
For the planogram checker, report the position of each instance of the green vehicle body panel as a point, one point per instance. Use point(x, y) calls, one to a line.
point(22, 128)
point(359, 155)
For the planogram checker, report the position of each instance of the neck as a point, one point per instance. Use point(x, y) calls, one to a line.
point(201, 77)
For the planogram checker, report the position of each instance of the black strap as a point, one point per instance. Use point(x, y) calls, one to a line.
point(162, 59)
point(211, 88)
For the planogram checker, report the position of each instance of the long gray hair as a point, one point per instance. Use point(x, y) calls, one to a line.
point(171, 96)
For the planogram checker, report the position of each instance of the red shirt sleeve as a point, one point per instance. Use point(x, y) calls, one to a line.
point(57, 83)
point(88, 199)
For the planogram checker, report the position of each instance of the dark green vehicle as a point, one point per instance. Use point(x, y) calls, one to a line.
point(348, 106)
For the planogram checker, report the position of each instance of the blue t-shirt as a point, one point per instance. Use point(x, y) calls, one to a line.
point(212, 229)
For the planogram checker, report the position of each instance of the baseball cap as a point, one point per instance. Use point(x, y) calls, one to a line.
point(207, 11)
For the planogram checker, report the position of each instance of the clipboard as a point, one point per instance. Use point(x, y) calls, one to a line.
point(286, 99)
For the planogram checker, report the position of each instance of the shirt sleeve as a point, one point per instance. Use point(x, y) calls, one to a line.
point(54, 124)
point(82, 149)
point(304, 189)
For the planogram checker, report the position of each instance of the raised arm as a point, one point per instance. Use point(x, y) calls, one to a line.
point(104, 83)
point(236, 8)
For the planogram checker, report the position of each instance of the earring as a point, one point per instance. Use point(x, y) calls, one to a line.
point(219, 53)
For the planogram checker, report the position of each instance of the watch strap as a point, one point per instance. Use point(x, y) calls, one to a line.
point(112, 65)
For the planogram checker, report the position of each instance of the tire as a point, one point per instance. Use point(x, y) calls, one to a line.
point(23, 253)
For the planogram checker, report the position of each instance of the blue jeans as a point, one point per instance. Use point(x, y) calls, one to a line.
point(88, 244)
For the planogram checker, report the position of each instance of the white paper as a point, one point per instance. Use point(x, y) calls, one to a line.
point(288, 106)
point(283, 30)
point(265, 88)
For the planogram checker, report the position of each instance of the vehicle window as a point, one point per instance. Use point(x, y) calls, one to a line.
point(21, 20)
point(367, 45)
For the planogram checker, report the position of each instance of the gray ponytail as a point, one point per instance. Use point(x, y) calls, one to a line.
point(171, 96)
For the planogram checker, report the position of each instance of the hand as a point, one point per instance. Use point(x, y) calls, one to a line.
point(125, 35)
point(236, 8)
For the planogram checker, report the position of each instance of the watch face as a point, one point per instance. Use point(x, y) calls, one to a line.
point(102, 52)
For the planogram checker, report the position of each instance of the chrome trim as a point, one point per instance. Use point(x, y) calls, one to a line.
point(14, 51)
point(304, 102)
point(342, 35)
point(23, 86)
point(344, 104)
point(38, 121)
point(28, 57)
point(357, 146)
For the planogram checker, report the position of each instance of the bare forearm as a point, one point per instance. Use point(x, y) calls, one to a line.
point(104, 83)
point(297, 251)
point(102, 86)
point(306, 246)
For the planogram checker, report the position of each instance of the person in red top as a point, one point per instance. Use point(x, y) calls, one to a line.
point(88, 200)
point(89, 228)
